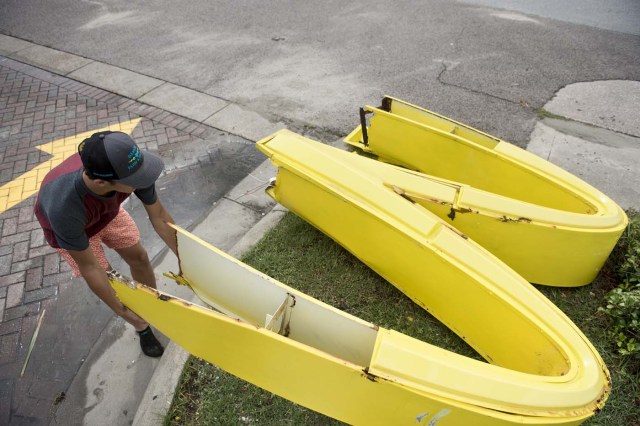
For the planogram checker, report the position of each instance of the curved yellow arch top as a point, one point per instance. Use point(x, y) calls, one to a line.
point(543, 366)
point(548, 225)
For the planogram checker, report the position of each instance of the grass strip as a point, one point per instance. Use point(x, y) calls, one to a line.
point(300, 256)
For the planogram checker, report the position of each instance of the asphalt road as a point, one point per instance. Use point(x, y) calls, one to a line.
point(317, 62)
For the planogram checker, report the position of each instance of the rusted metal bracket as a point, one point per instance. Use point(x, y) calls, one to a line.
point(386, 104)
point(363, 126)
point(279, 321)
point(179, 279)
point(112, 274)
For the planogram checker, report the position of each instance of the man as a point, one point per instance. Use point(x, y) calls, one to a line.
point(79, 209)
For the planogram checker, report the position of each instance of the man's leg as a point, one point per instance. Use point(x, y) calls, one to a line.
point(122, 235)
point(138, 260)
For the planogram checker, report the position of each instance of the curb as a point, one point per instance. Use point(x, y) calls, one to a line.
point(194, 105)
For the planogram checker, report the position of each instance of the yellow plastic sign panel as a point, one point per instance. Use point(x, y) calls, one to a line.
point(352, 370)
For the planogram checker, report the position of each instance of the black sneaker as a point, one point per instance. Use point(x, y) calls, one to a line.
point(149, 344)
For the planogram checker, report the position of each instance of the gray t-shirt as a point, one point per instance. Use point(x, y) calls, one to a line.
point(70, 213)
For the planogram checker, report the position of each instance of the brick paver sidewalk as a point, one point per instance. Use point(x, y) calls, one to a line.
point(39, 109)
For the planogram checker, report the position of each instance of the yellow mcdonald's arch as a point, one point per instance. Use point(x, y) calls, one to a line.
point(541, 369)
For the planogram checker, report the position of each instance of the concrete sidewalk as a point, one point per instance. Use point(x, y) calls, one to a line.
point(593, 131)
point(86, 367)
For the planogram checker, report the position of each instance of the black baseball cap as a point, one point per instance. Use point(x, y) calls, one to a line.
point(115, 156)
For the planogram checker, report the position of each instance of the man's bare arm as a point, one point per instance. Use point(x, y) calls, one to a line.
point(160, 218)
point(96, 278)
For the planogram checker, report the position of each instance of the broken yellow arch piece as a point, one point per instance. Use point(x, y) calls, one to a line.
point(315, 355)
point(548, 225)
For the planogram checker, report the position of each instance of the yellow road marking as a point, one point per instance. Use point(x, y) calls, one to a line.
point(27, 184)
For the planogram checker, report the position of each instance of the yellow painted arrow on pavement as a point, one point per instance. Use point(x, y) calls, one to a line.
point(27, 184)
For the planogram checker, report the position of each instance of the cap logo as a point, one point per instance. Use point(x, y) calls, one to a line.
point(135, 158)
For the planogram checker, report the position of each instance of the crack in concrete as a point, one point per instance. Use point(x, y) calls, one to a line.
point(445, 68)
point(249, 206)
point(440, 80)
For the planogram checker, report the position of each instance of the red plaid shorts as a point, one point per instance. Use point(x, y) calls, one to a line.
point(121, 232)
